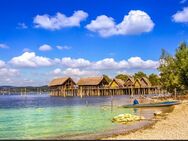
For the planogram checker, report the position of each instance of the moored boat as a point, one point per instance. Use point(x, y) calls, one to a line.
point(160, 104)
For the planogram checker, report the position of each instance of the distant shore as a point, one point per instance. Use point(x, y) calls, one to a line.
point(174, 126)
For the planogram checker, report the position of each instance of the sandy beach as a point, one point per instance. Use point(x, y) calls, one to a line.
point(174, 126)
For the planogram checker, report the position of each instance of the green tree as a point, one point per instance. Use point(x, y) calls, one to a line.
point(107, 78)
point(122, 77)
point(168, 72)
point(181, 60)
point(154, 79)
point(139, 75)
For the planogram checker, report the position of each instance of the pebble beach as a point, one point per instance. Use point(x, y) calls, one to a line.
point(174, 126)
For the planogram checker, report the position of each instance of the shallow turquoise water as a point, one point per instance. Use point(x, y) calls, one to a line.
point(56, 121)
point(51, 120)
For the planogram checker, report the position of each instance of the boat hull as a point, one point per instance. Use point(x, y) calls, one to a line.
point(161, 104)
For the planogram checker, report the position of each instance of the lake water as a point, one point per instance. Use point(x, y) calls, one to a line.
point(45, 117)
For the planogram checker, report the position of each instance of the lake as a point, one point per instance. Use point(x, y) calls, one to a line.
point(45, 117)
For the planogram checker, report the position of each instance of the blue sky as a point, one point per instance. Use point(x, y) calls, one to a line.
point(86, 37)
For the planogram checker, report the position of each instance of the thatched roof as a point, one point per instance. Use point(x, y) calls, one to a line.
point(90, 81)
point(59, 81)
point(131, 79)
point(119, 82)
point(138, 80)
point(146, 82)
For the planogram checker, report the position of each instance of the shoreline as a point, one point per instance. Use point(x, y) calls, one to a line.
point(171, 127)
point(144, 124)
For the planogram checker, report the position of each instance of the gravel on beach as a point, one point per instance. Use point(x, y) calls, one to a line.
point(174, 126)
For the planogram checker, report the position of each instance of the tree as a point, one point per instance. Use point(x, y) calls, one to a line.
point(122, 77)
point(139, 75)
point(107, 78)
point(181, 60)
point(168, 72)
point(154, 79)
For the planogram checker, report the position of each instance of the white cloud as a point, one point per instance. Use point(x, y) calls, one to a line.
point(2, 64)
point(181, 16)
point(73, 63)
point(131, 63)
point(63, 47)
point(22, 26)
point(60, 20)
point(137, 62)
point(45, 47)
point(78, 73)
point(66, 66)
point(8, 72)
point(57, 71)
point(109, 63)
point(4, 46)
point(136, 22)
point(104, 25)
point(29, 59)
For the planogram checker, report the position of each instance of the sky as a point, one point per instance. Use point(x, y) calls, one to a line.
point(43, 40)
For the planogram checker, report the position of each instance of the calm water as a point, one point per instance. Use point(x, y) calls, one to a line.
point(42, 116)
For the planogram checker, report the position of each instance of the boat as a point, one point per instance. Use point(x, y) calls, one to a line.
point(159, 104)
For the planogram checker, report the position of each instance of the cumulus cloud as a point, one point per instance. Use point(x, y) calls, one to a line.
point(181, 16)
point(57, 71)
point(70, 62)
point(63, 47)
point(2, 64)
point(136, 22)
point(4, 46)
point(131, 63)
point(29, 59)
point(109, 63)
point(45, 47)
point(60, 20)
point(78, 73)
point(67, 66)
point(8, 72)
point(137, 62)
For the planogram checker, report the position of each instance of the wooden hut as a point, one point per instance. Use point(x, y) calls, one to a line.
point(137, 83)
point(137, 86)
point(147, 87)
point(129, 85)
point(129, 82)
point(91, 86)
point(145, 82)
point(116, 83)
point(62, 87)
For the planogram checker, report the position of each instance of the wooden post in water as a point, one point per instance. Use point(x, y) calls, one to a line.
point(98, 91)
point(64, 94)
point(80, 91)
point(131, 92)
point(25, 91)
